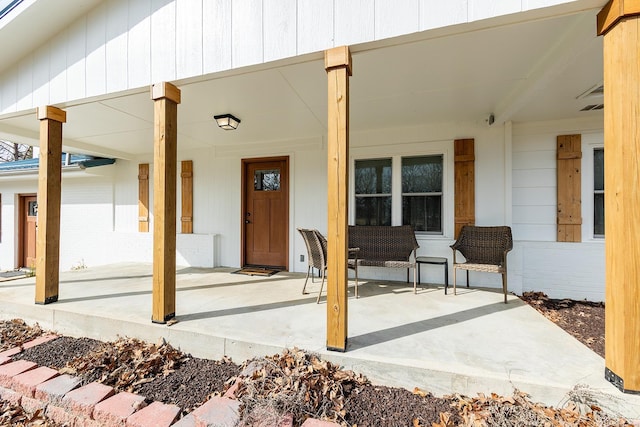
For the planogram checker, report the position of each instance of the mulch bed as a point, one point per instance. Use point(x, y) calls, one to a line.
point(298, 383)
point(582, 319)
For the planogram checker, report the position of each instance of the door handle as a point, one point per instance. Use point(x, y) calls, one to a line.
point(246, 221)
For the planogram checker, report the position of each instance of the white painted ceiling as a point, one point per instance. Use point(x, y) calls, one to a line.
point(522, 72)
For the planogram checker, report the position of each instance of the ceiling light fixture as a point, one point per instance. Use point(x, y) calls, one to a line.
point(227, 121)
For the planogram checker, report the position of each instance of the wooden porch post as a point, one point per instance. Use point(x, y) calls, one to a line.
point(619, 22)
point(337, 62)
point(166, 98)
point(49, 190)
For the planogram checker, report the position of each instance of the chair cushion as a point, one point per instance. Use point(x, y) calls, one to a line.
point(488, 268)
point(383, 263)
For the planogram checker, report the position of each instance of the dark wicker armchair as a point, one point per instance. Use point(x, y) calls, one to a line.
point(317, 257)
point(484, 249)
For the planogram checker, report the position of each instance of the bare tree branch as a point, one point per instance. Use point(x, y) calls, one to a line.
point(12, 151)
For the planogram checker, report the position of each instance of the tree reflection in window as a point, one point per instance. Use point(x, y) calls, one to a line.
point(266, 180)
point(373, 192)
point(422, 193)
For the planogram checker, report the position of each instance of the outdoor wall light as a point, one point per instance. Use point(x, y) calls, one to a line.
point(227, 121)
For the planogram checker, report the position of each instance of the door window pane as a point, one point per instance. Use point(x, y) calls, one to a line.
point(266, 180)
point(32, 209)
point(373, 192)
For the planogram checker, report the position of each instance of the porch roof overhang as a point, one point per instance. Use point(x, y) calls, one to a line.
point(520, 68)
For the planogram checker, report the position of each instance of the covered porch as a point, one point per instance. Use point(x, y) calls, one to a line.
point(425, 91)
point(469, 343)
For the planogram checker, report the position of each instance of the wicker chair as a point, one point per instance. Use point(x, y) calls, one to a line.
point(484, 249)
point(317, 257)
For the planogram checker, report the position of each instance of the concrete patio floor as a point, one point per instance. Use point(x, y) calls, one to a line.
point(470, 343)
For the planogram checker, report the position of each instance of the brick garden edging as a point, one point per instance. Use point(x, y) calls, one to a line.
point(59, 397)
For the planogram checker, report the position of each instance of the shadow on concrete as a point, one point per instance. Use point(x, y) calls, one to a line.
point(401, 331)
point(245, 309)
point(149, 292)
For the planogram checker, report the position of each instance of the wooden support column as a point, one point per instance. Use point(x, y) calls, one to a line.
point(619, 22)
point(337, 63)
point(49, 190)
point(166, 98)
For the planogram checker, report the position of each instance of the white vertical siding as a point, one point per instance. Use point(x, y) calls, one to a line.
point(216, 23)
point(483, 9)
point(25, 84)
point(189, 37)
point(279, 29)
point(41, 76)
point(9, 93)
point(246, 32)
point(116, 45)
point(96, 51)
point(163, 40)
point(76, 61)
point(392, 19)
point(315, 25)
point(58, 69)
point(354, 22)
point(139, 43)
point(435, 14)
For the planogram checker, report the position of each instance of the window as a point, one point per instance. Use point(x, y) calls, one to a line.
point(400, 190)
point(422, 193)
point(373, 192)
point(266, 180)
point(598, 192)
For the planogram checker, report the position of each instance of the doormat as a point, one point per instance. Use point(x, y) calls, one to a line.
point(13, 274)
point(256, 271)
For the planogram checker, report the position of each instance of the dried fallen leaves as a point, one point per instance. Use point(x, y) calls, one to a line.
point(294, 383)
point(15, 416)
point(125, 363)
point(16, 332)
point(518, 410)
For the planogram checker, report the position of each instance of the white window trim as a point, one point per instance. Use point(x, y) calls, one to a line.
point(396, 152)
point(590, 142)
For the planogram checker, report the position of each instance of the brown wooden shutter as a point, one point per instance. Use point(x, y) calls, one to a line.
point(465, 188)
point(187, 196)
point(143, 197)
point(569, 155)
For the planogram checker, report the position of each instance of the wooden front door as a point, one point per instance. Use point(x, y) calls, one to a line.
point(28, 216)
point(265, 212)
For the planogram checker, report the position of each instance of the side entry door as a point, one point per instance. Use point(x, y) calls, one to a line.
point(29, 217)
